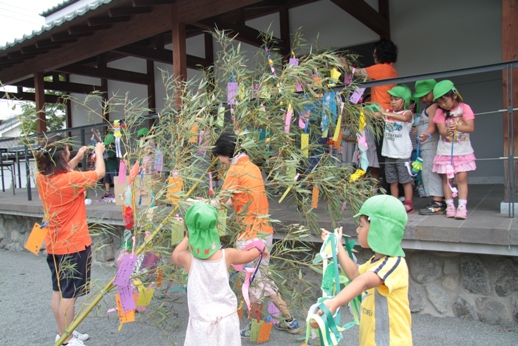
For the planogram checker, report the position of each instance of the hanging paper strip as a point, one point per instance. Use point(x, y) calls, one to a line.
point(289, 114)
point(348, 79)
point(125, 270)
point(194, 133)
point(159, 160)
point(133, 173)
point(335, 76)
point(123, 317)
point(122, 172)
point(357, 95)
point(220, 122)
point(314, 197)
point(38, 234)
point(304, 144)
point(175, 185)
point(177, 231)
point(232, 90)
point(222, 222)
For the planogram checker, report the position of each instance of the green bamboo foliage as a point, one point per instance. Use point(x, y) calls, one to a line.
point(184, 134)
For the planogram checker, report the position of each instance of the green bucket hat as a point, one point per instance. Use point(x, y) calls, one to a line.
point(201, 220)
point(423, 87)
point(109, 139)
point(142, 132)
point(401, 91)
point(443, 87)
point(388, 219)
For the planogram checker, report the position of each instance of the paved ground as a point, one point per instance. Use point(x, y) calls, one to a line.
point(26, 318)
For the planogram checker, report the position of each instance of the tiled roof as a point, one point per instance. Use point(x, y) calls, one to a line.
point(57, 7)
point(58, 22)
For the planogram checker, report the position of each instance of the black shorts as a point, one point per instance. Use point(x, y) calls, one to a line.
point(109, 177)
point(74, 273)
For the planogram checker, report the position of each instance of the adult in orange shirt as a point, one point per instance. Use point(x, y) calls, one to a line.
point(385, 55)
point(243, 188)
point(68, 242)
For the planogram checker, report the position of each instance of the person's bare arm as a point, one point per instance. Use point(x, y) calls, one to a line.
point(350, 268)
point(357, 72)
point(99, 161)
point(431, 125)
point(241, 257)
point(181, 257)
point(467, 127)
point(406, 117)
point(79, 156)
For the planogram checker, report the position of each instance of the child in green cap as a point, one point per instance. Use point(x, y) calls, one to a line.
point(111, 162)
point(455, 155)
point(429, 137)
point(383, 280)
point(397, 146)
point(213, 318)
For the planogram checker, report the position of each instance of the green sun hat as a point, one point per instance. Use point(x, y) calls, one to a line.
point(142, 132)
point(109, 139)
point(388, 219)
point(401, 91)
point(201, 220)
point(423, 87)
point(443, 87)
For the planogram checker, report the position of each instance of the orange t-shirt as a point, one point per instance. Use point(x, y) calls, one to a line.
point(64, 208)
point(379, 93)
point(245, 182)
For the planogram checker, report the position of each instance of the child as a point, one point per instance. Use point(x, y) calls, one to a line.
point(418, 181)
point(111, 162)
point(429, 137)
point(455, 121)
point(383, 280)
point(213, 318)
point(397, 146)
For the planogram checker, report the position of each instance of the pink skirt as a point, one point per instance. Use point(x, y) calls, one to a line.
point(462, 163)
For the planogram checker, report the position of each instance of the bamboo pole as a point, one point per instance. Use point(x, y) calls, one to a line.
point(109, 286)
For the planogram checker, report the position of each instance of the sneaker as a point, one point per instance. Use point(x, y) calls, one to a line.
point(461, 213)
point(422, 192)
point(77, 335)
point(434, 208)
point(74, 341)
point(409, 208)
point(450, 210)
point(291, 327)
point(245, 333)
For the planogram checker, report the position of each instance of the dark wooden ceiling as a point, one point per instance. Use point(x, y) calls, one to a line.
point(141, 28)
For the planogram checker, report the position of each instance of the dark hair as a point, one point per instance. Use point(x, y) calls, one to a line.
point(225, 145)
point(385, 51)
point(50, 156)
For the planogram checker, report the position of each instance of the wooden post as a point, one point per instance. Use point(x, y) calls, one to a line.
point(510, 52)
point(179, 54)
point(39, 97)
point(284, 17)
point(151, 92)
point(101, 64)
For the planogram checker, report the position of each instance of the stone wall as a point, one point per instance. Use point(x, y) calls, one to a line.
point(471, 287)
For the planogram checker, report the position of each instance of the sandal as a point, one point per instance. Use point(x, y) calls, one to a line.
point(409, 208)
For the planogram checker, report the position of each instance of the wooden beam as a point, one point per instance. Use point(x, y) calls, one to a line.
point(61, 86)
point(129, 11)
point(108, 73)
point(82, 29)
point(192, 11)
point(510, 52)
point(138, 3)
point(365, 14)
point(65, 36)
point(23, 96)
point(159, 55)
point(121, 35)
point(102, 21)
point(244, 33)
point(39, 97)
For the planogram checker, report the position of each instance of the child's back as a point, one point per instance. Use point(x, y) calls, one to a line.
point(211, 301)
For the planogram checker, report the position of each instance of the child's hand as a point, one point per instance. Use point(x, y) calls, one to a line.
point(340, 232)
point(329, 305)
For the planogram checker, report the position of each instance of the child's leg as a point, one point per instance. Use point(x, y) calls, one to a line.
point(447, 192)
point(462, 184)
point(407, 187)
point(394, 189)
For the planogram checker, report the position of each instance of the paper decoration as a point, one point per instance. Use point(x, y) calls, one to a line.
point(150, 261)
point(289, 114)
point(144, 295)
point(122, 172)
point(335, 75)
point(36, 238)
point(338, 129)
point(303, 119)
point(348, 78)
point(304, 144)
point(177, 231)
point(273, 311)
point(220, 121)
point(357, 95)
point(125, 270)
point(240, 310)
point(175, 185)
point(128, 218)
point(133, 173)
point(232, 90)
point(193, 133)
point(314, 197)
point(294, 61)
point(127, 299)
point(124, 317)
point(159, 277)
point(159, 160)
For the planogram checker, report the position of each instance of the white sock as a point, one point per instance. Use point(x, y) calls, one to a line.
point(449, 202)
point(463, 202)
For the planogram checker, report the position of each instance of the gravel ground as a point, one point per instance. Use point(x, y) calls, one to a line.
point(26, 317)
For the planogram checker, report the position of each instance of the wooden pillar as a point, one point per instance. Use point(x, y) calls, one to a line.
point(151, 92)
point(284, 17)
point(179, 54)
point(68, 106)
point(39, 97)
point(510, 52)
point(101, 63)
point(383, 10)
